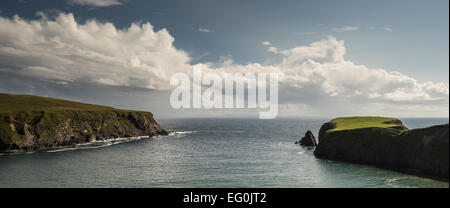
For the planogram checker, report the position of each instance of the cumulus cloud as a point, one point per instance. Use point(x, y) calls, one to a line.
point(96, 3)
point(346, 28)
point(64, 52)
point(321, 68)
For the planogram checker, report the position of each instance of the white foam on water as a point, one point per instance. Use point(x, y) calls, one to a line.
point(184, 132)
point(107, 142)
point(98, 144)
point(62, 150)
point(222, 131)
point(393, 182)
point(179, 134)
point(301, 153)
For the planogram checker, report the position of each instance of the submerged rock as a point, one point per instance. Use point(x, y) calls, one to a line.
point(386, 143)
point(308, 140)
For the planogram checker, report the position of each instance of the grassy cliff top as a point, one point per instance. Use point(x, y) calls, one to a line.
point(349, 123)
point(11, 103)
point(31, 122)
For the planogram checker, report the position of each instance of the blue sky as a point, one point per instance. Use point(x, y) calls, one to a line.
point(334, 58)
point(409, 36)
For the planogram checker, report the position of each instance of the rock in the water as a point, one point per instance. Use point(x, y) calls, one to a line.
point(308, 140)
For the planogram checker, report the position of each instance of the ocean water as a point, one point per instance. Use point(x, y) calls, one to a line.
point(204, 153)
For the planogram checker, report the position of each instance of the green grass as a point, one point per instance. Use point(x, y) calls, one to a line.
point(9, 103)
point(29, 109)
point(349, 123)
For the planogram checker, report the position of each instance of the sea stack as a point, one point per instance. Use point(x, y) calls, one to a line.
point(386, 143)
point(308, 140)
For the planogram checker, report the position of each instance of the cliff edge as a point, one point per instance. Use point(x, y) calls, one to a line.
point(31, 122)
point(386, 143)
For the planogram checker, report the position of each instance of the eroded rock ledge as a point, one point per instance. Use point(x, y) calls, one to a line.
point(386, 143)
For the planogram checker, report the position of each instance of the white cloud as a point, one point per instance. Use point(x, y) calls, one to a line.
point(271, 48)
point(387, 29)
point(266, 43)
point(346, 28)
point(96, 3)
point(63, 51)
point(205, 30)
point(96, 52)
point(321, 68)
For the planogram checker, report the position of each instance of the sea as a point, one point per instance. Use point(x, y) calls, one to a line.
point(205, 152)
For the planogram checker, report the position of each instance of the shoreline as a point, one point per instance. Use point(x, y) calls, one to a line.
point(88, 145)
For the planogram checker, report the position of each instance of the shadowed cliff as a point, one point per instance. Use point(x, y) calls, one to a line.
point(386, 143)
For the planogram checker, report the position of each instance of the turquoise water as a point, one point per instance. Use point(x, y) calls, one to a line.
point(204, 153)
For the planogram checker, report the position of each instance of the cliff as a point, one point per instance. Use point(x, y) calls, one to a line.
point(386, 143)
point(32, 122)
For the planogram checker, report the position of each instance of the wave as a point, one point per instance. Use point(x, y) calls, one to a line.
point(61, 150)
point(98, 144)
point(109, 142)
point(306, 152)
point(184, 132)
point(179, 134)
point(394, 182)
point(222, 131)
point(301, 153)
point(103, 143)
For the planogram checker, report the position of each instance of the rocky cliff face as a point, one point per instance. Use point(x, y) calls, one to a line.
point(419, 151)
point(31, 130)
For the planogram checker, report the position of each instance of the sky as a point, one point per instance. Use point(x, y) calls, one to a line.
point(335, 58)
